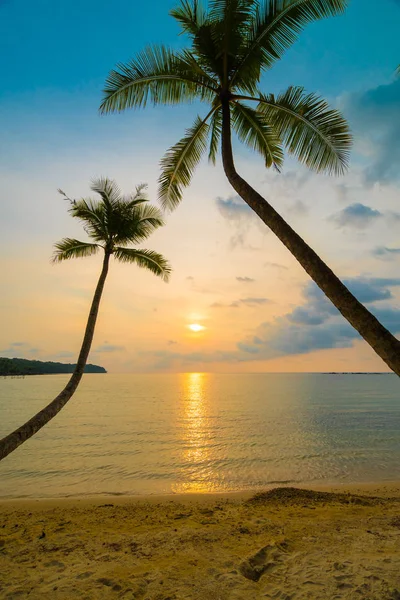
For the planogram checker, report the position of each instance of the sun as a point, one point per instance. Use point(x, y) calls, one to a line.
point(196, 327)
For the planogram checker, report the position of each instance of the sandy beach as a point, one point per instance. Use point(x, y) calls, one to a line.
point(281, 544)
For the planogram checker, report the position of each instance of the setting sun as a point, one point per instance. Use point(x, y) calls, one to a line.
point(196, 327)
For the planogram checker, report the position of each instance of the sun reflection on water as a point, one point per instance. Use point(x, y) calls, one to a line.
point(196, 436)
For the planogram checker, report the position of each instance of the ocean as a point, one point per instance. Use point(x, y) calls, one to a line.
point(201, 432)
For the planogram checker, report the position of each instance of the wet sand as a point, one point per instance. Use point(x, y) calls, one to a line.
point(285, 544)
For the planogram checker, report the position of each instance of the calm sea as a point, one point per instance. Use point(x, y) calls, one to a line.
point(199, 432)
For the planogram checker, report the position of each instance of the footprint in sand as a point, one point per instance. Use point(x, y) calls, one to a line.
point(84, 575)
point(261, 562)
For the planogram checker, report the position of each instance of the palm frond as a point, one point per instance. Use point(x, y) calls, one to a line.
point(207, 50)
point(276, 26)
point(135, 224)
point(158, 75)
point(257, 133)
point(216, 130)
point(138, 196)
point(107, 189)
point(180, 161)
point(68, 248)
point(230, 20)
point(92, 216)
point(317, 135)
point(191, 15)
point(147, 259)
point(221, 9)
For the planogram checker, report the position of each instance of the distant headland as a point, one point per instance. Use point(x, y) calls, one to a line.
point(357, 373)
point(22, 366)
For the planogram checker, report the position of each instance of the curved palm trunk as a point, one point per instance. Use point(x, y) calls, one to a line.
point(23, 433)
point(373, 332)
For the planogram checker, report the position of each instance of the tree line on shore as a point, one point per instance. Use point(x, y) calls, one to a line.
point(22, 366)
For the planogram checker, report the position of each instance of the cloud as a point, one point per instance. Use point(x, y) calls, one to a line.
point(245, 279)
point(283, 338)
point(189, 278)
point(318, 325)
point(342, 192)
point(222, 305)
point(356, 215)
point(109, 348)
point(372, 289)
point(374, 117)
point(240, 216)
point(234, 208)
point(298, 209)
point(366, 289)
point(239, 241)
point(19, 350)
point(385, 253)
point(275, 265)
point(171, 342)
point(254, 301)
point(242, 302)
point(65, 354)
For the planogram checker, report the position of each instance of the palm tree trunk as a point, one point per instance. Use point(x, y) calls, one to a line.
point(373, 332)
point(26, 431)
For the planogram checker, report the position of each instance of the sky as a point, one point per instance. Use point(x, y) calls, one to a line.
point(259, 310)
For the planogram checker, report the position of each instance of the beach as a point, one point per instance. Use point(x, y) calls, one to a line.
point(285, 543)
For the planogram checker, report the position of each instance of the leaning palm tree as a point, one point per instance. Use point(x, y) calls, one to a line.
point(232, 43)
point(112, 223)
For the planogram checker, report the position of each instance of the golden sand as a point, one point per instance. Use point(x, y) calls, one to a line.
point(284, 544)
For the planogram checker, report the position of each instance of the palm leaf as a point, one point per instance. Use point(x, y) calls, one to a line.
point(92, 216)
point(191, 15)
point(275, 27)
point(107, 189)
point(135, 224)
point(156, 74)
point(216, 130)
point(69, 248)
point(206, 48)
point(137, 197)
point(317, 135)
point(253, 130)
point(147, 259)
point(230, 21)
point(180, 161)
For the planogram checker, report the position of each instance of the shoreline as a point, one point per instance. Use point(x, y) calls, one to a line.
point(390, 489)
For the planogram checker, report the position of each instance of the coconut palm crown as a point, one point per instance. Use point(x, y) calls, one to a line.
point(233, 42)
point(112, 223)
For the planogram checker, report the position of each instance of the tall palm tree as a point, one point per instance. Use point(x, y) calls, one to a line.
point(112, 223)
point(232, 43)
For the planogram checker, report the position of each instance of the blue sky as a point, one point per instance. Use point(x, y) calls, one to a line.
point(70, 46)
point(54, 59)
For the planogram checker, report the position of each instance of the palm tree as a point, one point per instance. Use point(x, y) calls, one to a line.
point(112, 223)
point(232, 43)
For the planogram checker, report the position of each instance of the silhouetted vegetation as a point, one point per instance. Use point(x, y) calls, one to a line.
point(22, 366)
